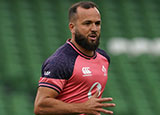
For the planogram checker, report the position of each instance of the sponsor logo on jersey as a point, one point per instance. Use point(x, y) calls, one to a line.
point(104, 70)
point(86, 71)
point(98, 86)
point(47, 73)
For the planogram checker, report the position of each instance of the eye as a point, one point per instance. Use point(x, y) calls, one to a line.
point(87, 23)
point(98, 23)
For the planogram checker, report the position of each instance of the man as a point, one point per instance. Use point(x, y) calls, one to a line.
point(74, 77)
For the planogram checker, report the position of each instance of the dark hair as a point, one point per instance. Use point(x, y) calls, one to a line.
point(83, 4)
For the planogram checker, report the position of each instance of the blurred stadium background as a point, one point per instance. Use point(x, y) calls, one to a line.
point(31, 30)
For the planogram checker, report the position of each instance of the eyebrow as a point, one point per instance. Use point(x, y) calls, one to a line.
point(89, 21)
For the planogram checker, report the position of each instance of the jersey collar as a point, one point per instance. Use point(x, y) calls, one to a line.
point(79, 52)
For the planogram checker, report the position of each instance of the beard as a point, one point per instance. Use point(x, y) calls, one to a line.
point(85, 43)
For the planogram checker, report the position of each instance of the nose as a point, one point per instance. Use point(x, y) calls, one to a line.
point(94, 27)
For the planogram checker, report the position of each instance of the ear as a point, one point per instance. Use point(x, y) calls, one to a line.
point(72, 27)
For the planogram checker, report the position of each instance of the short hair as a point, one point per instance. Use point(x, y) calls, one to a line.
point(82, 4)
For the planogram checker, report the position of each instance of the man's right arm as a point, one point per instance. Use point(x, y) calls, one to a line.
point(47, 104)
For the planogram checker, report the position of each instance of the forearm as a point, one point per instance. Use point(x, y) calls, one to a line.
point(50, 106)
point(47, 104)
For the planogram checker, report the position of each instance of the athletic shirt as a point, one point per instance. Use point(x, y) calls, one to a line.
point(74, 75)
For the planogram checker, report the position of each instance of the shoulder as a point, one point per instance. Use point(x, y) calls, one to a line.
point(62, 55)
point(103, 53)
point(61, 63)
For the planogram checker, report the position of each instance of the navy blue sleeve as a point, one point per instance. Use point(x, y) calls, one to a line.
point(55, 68)
point(60, 65)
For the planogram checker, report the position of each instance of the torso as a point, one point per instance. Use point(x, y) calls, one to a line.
point(78, 77)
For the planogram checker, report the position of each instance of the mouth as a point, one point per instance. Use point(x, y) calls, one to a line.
point(92, 37)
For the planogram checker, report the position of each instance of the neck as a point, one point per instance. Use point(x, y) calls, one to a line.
point(86, 52)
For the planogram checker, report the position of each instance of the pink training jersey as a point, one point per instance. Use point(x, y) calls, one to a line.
point(74, 75)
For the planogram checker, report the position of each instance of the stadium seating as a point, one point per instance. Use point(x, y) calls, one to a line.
point(30, 31)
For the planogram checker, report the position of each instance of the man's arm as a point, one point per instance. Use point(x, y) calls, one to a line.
point(46, 104)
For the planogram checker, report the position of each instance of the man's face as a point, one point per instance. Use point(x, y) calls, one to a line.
point(87, 28)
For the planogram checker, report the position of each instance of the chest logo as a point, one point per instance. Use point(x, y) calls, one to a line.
point(104, 70)
point(86, 71)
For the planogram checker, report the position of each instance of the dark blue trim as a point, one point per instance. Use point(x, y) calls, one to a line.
point(51, 85)
point(103, 53)
point(87, 56)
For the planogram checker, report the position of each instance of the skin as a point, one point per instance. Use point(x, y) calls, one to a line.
point(88, 21)
point(46, 103)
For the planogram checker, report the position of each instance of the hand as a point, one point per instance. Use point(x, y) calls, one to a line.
point(95, 105)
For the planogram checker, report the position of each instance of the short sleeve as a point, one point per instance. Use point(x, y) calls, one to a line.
point(54, 74)
point(58, 68)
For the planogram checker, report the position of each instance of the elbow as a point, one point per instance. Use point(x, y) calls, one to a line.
point(38, 107)
point(41, 109)
point(38, 110)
